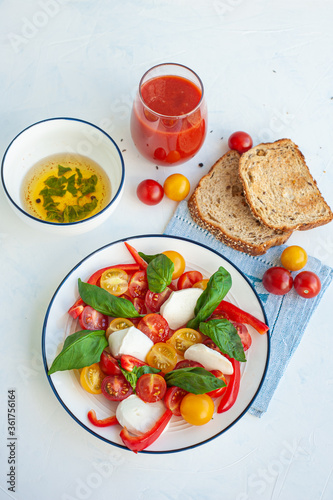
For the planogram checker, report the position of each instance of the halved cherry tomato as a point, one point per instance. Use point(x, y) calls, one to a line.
point(162, 356)
point(307, 284)
point(155, 327)
point(109, 364)
point(138, 284)
point(128, 268)
point(151, 387)
point(91, 378)
point(185, 363)
point(218, 392)
point(197, 409)
point(178, 262)
point(173, 398)
point(105, 422)
point(209, 343)
point(118, 324)
point(90, 319)
point(116, 387)
point(183, 338)
point(114, 281)
point(154, 301)
point(128, 362)
point(244, 334)
point(140, 305)
point(201, 284)
point(188, 279)
point(139, 443)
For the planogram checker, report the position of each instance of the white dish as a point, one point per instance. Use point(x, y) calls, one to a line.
point(179, 434)
point(61, 135)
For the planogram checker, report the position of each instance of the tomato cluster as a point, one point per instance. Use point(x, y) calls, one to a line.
point(279, 280)
point(176, 187)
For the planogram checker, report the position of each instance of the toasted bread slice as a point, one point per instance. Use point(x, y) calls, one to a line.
point(279, 188)
point(218, 205)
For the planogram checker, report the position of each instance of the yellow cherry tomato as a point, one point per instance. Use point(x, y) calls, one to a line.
point(294, 258)
point(114, 281)
point(183, 338)
point(162, 356)
point(118, 324)
point(176, 187)
point(91, 378)
point(201, 284)
point(178, 262)
point(197, 409)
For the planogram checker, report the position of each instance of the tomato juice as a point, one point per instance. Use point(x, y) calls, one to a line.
point(168, 123)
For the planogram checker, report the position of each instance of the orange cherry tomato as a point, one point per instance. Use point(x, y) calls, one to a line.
point(197, 409)
point(183, 338)
point(176, 187)
point(178, 262)
point(294, 258)
point(162, 356)
point(91, 378)
point(201, 284)
point(118, 324)
point(114, 281)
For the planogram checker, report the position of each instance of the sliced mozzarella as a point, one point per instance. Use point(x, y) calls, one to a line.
point(210, 359)
point(130, 341)
point(178, 309)
point(137, 416)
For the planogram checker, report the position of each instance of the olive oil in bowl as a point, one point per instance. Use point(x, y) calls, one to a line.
point(65, 188)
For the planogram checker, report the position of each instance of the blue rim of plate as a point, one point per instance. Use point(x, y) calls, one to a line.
point(66, 224)
point(117, 444)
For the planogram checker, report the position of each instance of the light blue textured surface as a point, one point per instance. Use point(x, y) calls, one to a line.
point(288, 315)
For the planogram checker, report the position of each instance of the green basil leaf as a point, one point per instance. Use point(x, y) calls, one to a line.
point(225, 336)
point(79, 176)
point(148, 258)
point(194, 379)
point(88, 185)
point(71, 185)
point(105, 303)
point(62, 170)
point(130, 377)
point(217, 288)
point(159, 273)
point(80, 349)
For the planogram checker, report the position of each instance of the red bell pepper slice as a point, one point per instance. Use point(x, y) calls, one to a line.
point(135, 254)
point(106, 422)
point(76, 308)
point(230, 395)
point(139, 443)
point(234, 313)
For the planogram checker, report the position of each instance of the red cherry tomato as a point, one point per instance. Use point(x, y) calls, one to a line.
point(150, 192)
point(154, 301)
point(307, 284)
point(128, 362)
point(240, 141)
point(244, 334)
point(151, 387)
point(188, 279)
point(186, 363)
point(277, 280)
point(116, 387)
point(108, 364)
point(140, 305)
point(173, 398)
point(138, 284)
point(155, 327)
point(90, 319)
point(218, 392)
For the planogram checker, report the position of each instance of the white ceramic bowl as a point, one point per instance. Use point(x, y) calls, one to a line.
point(61, 135)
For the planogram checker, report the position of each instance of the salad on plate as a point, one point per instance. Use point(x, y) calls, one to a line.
point(159, 341)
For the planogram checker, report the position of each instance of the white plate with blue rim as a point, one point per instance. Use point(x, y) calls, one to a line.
point(179, 435)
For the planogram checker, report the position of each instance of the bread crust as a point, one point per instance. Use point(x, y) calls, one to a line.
point(217, 230)
point(305, 205)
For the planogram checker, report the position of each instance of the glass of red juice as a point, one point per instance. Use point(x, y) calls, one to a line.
point(169, 116)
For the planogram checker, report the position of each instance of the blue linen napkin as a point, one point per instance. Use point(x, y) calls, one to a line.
point(288, 315)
